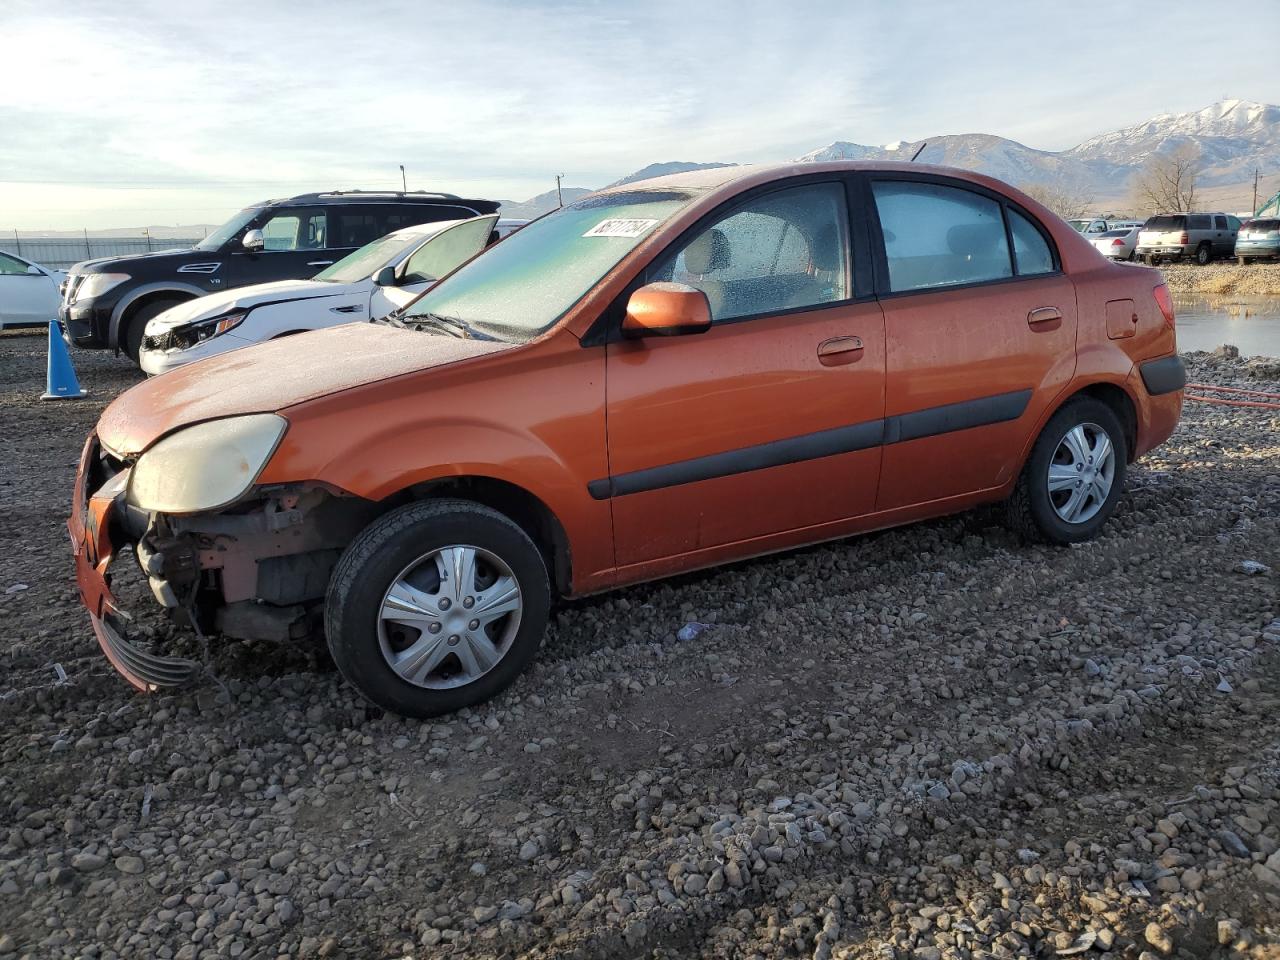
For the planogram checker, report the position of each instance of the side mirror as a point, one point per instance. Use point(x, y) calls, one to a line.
point(667, 310)
point(34, 271)
point(253, 240)
point(386, 277)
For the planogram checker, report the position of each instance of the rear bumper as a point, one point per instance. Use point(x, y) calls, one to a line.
point(1164, 251)
point(1245, 248)
point(93, 530)
point(1157, 413)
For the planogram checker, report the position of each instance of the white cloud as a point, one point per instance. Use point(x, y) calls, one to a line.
point(227, 104)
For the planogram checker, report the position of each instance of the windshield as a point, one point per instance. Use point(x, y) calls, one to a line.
point(369, 259)
point(523, 285)
point(1261, 226)
point(215, 240)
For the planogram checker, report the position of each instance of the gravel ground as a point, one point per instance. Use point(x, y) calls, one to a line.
point(1223, 279)
point(935, 742)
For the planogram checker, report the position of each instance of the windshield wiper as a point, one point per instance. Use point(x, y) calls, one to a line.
point(438, 321)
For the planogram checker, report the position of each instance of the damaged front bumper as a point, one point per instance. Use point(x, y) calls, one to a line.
point(90, 525)
point(257, 570)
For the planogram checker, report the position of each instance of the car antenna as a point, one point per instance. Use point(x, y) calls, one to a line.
point(918, 152)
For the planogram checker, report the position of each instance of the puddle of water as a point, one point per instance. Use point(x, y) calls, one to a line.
point(1250, 323)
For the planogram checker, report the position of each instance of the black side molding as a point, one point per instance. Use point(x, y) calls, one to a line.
point(930, 422)
point(1164, 375)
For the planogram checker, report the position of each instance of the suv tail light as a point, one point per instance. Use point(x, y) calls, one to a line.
point(1184, 239)
point(1165, 302)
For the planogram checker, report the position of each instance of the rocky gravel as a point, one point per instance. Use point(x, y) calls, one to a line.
point(1221, 278)
point(934, 742)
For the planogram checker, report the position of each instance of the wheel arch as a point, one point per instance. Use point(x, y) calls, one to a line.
point(145, 294)
point(523, 507)
point(1116, 398)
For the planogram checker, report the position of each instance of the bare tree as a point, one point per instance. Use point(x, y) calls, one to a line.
point(1167, 182)
point(1067, 200)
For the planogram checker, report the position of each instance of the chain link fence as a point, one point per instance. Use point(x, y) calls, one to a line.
point(63, 252)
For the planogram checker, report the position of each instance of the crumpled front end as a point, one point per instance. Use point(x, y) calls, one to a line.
point(257, 569)
point(98, 512)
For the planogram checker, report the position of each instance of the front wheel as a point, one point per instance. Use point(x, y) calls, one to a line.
point(1073, 478)
point(436, 606)
point(130, 337)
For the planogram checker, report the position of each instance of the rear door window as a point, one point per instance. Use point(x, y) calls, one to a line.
point(940, 236)
point(1220, 223)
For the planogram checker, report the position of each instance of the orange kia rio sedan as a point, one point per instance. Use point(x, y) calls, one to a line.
point(658, 377)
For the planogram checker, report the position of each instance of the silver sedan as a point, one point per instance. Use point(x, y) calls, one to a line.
point(1117, 244)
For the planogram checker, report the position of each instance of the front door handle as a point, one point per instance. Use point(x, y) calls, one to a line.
point(839, 350)
point(1044, 318)
point(319, 263)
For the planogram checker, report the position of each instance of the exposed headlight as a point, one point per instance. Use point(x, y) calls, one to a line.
point(189, 334)
point(206, 466)
point(96, 284)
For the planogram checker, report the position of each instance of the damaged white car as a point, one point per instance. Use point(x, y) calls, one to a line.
point(379, 278)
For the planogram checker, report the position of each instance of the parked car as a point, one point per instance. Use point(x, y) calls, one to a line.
point(380, 277)
point(1200, 236)
point(1258, 240)
point(107, 302)
point(661, 376)
point(28, 292)
point(1117, 244)
point(1095, 227)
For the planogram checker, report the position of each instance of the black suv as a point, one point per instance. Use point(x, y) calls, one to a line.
point(107, 302)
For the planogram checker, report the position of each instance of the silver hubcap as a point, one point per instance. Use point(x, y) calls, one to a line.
point(449, 617)
point(1081, 473)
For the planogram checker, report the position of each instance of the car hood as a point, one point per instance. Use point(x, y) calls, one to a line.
point(241, 298)
point(178, 255)
point(269, 377)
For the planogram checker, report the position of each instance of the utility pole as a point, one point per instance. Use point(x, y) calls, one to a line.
point(404, 184)
point(1254, 208)
point(559, 196)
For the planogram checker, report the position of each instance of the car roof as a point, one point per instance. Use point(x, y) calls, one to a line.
point(749, 175)
point(345, 197)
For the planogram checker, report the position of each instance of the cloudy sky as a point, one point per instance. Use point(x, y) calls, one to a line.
point(182, 113)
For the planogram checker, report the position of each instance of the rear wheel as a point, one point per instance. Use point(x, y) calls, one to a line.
point(1073, 478)
point(1204, 253)
point(134, 326)
point(437, 606)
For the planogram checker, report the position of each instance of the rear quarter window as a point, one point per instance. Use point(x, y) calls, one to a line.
point(1201, 222)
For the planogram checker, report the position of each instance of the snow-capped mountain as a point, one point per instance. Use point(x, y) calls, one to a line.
point(1234, 137)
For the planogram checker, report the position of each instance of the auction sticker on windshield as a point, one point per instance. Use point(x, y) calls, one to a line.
point(621, 228)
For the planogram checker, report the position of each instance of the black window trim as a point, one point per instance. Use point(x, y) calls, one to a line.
point(607, 327)
point(885, 290)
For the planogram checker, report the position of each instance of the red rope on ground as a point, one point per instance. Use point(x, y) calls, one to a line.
point(1234, 403)
point(1248, 393)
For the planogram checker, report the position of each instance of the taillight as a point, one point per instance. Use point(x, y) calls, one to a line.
point(1117, 242)
point(1165, 302)
point(1184, 239)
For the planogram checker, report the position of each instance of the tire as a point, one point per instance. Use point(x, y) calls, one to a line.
point(401, 549)
point(1243, 261)
point(129, 337)
point(1204, 253)
point(1151, 260)
point(1033, 511)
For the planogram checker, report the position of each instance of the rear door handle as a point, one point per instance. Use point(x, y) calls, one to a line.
point(1042, 317)
point(319, 263)
point(839, 350)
